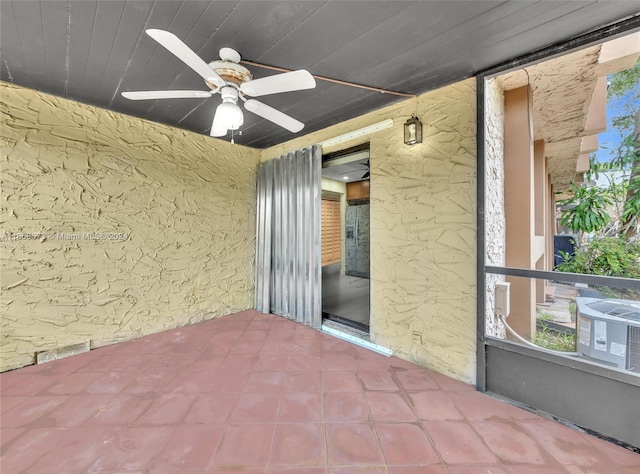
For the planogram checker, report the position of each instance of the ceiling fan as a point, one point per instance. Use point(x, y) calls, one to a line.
point(367, 174)
point(233, 82)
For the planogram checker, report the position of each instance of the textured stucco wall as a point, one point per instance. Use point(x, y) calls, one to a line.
point(186, 203)
point(423, 228)
point(495, 223)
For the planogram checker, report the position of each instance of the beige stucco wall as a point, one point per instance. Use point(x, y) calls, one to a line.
point(186, 203)
point(423, 221)
point(495, 223)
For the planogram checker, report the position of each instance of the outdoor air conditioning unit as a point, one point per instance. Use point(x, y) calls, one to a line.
point(609, 332)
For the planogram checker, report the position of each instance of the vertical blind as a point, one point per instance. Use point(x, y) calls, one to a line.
point(288, 244)
point(331, 235)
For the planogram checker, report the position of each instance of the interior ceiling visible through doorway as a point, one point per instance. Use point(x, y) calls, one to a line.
point(91, 51)
point(349, 167)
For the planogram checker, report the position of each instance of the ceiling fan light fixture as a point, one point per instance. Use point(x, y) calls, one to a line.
point(231, 117)
point(228, 114)
point(218, 131)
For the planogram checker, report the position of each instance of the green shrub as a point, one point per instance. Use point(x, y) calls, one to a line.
point(586, 209)
point(606, 256)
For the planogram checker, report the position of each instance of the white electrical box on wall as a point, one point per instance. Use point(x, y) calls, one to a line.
point(502, 297)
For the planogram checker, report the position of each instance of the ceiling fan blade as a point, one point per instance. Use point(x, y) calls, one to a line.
point(275, 116)
point(289, 81)
point(145, 95)
point(186, 55)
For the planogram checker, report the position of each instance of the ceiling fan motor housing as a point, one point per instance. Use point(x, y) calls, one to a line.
point(230, 72)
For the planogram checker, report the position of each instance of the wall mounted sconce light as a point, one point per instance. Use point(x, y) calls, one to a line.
point(413, 131)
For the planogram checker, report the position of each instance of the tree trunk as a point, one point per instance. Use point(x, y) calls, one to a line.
point(631, 227)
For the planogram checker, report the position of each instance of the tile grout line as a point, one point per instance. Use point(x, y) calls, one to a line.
point(407, 398)
point(275, 421)
point(371, 420)
point(212, 459)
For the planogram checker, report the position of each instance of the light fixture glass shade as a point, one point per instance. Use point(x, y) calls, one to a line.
point(230, 116)
point(413, 131)
point(218, 131)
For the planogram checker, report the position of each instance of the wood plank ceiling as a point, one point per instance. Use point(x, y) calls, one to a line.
point(91, 51)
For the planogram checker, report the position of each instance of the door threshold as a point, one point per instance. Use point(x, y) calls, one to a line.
point(341, 321)
point(349, 335)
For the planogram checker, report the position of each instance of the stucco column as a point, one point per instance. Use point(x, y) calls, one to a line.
point(550, 228)
point(519, 197)
point(539, 180)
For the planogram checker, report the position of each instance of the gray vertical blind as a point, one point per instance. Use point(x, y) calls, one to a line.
point(288, 247)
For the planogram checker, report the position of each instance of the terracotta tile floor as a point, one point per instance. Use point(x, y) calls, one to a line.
point(250, 393)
